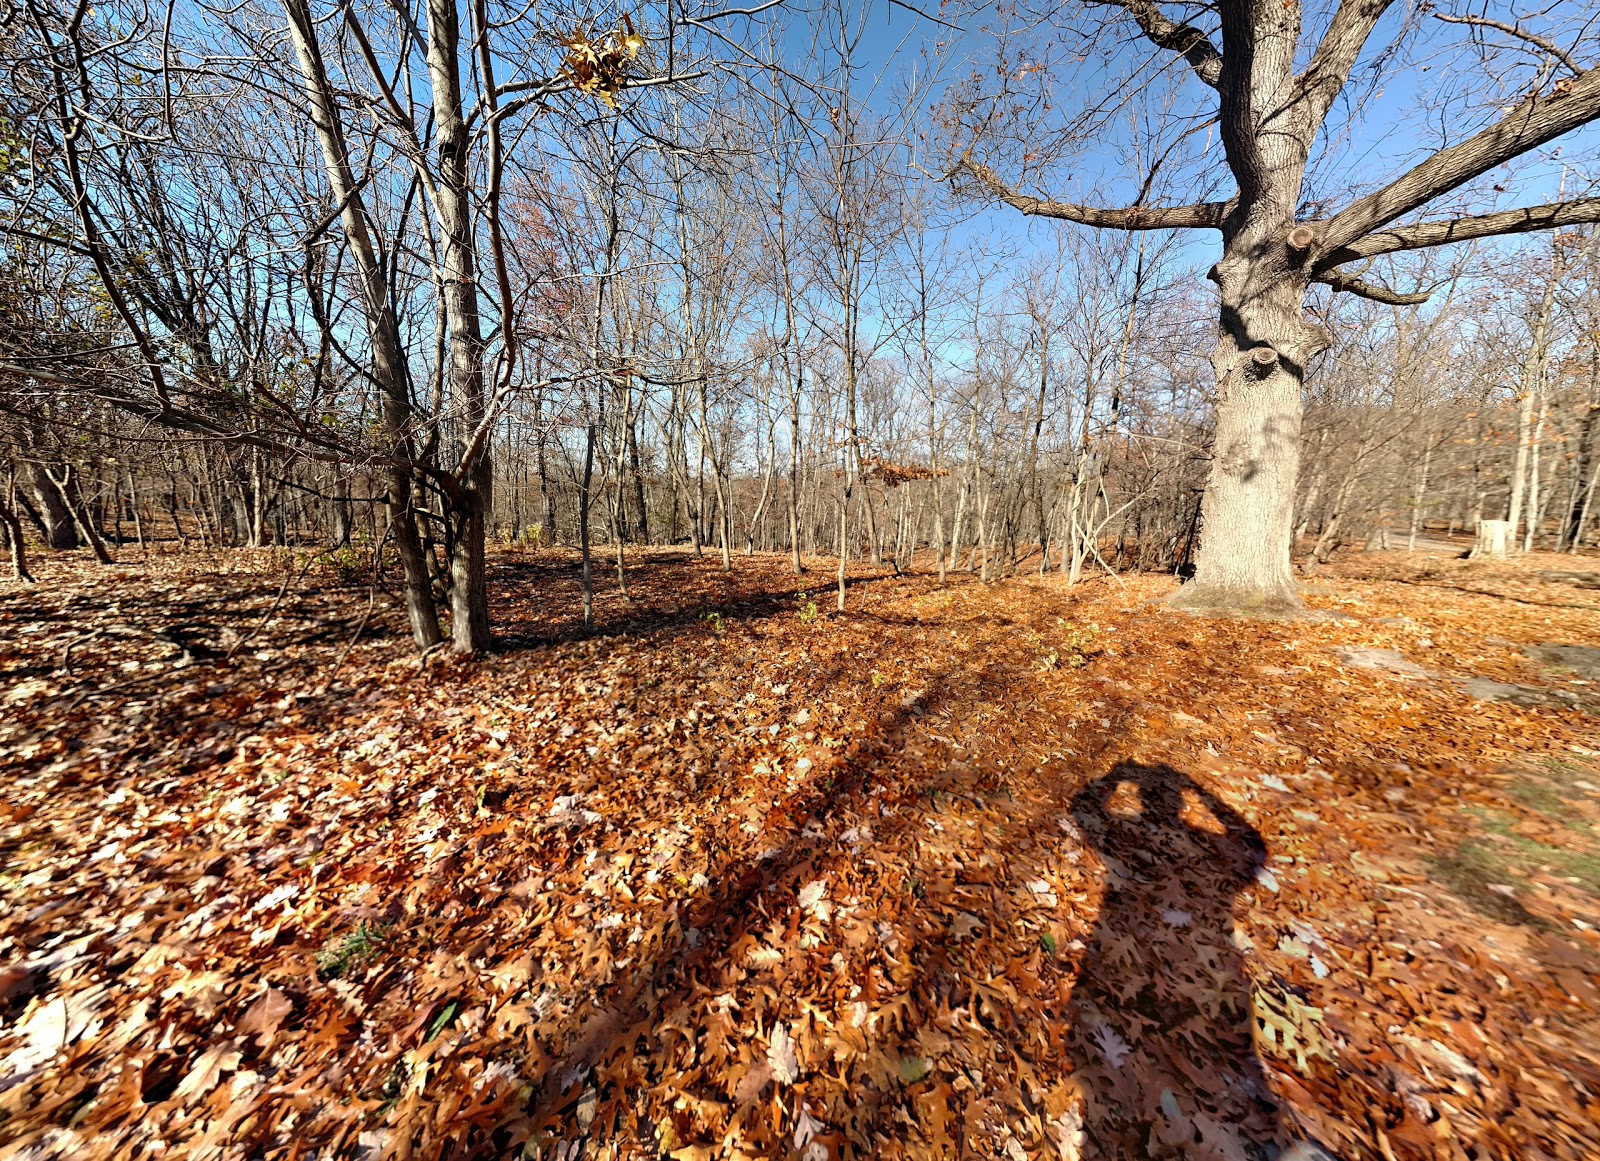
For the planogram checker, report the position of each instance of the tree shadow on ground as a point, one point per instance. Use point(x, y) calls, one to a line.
point(668, 592)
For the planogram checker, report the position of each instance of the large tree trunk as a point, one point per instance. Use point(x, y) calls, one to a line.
point(1247, 515)
point(583, 526)
point(1264, 342)
point(640, 501)
point(1588, 505)
point(794, 491)
point(1493, 536)
point(82, 514)
point(1533, 365)
point(339, 511)
point(547, 519)
point(60, 530)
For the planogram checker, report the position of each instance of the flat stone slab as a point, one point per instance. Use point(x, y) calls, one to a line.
point(1584, 660)
point(1580, 580)
point(1525, 696)
point(1580, 658)
point(1389, 661)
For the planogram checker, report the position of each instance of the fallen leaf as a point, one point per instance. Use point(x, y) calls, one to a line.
point(781, 1056)
point(204, 1074)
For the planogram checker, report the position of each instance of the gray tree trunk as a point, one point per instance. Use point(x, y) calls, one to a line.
point(60, 530)
point(388, 362)
point(469, 590)
point(1493, 538)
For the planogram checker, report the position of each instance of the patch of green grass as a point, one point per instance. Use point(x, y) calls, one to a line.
point(1469, 873)
point(1568, 844)
point(356, 948)
point(1538, 795)
point(1567, 770)
point(1574, 864)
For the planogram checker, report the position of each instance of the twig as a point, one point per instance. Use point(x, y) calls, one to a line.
point(277, 601)
point(372, 597)
point(422, 658)
point(66, 654)
point(1538, 42)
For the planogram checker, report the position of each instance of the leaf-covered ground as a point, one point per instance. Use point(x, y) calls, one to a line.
point(1013, 870)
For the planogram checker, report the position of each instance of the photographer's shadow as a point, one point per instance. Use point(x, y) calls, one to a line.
point(1161, 1037)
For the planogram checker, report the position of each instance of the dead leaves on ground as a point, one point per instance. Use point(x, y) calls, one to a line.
point(767, 884)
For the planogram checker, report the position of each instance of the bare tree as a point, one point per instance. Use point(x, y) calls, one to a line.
point(1241, 60)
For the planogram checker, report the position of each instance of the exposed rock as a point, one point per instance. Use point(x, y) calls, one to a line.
point(1580, 580)
point(1583, 660)
point(1388, 661)
point(1526, 696)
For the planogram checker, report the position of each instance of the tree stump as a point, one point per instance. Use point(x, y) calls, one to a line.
point(1492, 538)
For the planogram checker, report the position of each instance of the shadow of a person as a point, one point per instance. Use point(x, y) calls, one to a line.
point(1161, 1036)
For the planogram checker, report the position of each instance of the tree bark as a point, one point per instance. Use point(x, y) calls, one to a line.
point(1493, 536)
point(68, 486)
point(13, 529)
point(1264, 342)
point(583, 526)
point(1247, 514)
point(469, 592)
point(388, 360)
point(60, 531)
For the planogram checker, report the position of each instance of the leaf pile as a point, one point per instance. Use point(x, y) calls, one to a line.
point(731, 880)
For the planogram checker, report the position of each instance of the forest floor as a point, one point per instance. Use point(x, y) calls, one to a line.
point(1013, 870)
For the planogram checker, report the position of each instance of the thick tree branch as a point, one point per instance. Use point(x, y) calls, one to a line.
point(1330, 65)
point(1533, 122)
point(1184, 39)
point(1202, 215)
point(1421, 235)
point(1351, 285)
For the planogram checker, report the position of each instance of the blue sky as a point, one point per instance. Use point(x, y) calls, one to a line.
point(1397, 126)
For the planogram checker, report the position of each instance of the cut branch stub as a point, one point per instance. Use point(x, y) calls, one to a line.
point(1301, 237)
point(1265, 358)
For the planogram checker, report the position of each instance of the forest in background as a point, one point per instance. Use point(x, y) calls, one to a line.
point(426, 279)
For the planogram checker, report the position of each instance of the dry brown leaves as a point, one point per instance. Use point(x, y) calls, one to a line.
point(1010, 870)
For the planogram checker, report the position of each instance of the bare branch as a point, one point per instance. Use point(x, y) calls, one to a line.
point(726, 12)
point(1538, 42)
point(1534, 121)
point(66, 244)
point(560, 84)
point(1421, 235)
point(1202, 215)
point(1185, 39)
point(925, 16)
point(1351, 285)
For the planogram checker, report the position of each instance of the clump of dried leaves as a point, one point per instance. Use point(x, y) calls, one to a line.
point(730, 880)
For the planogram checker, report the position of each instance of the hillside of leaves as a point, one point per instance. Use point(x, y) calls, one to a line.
point(1013, 870)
